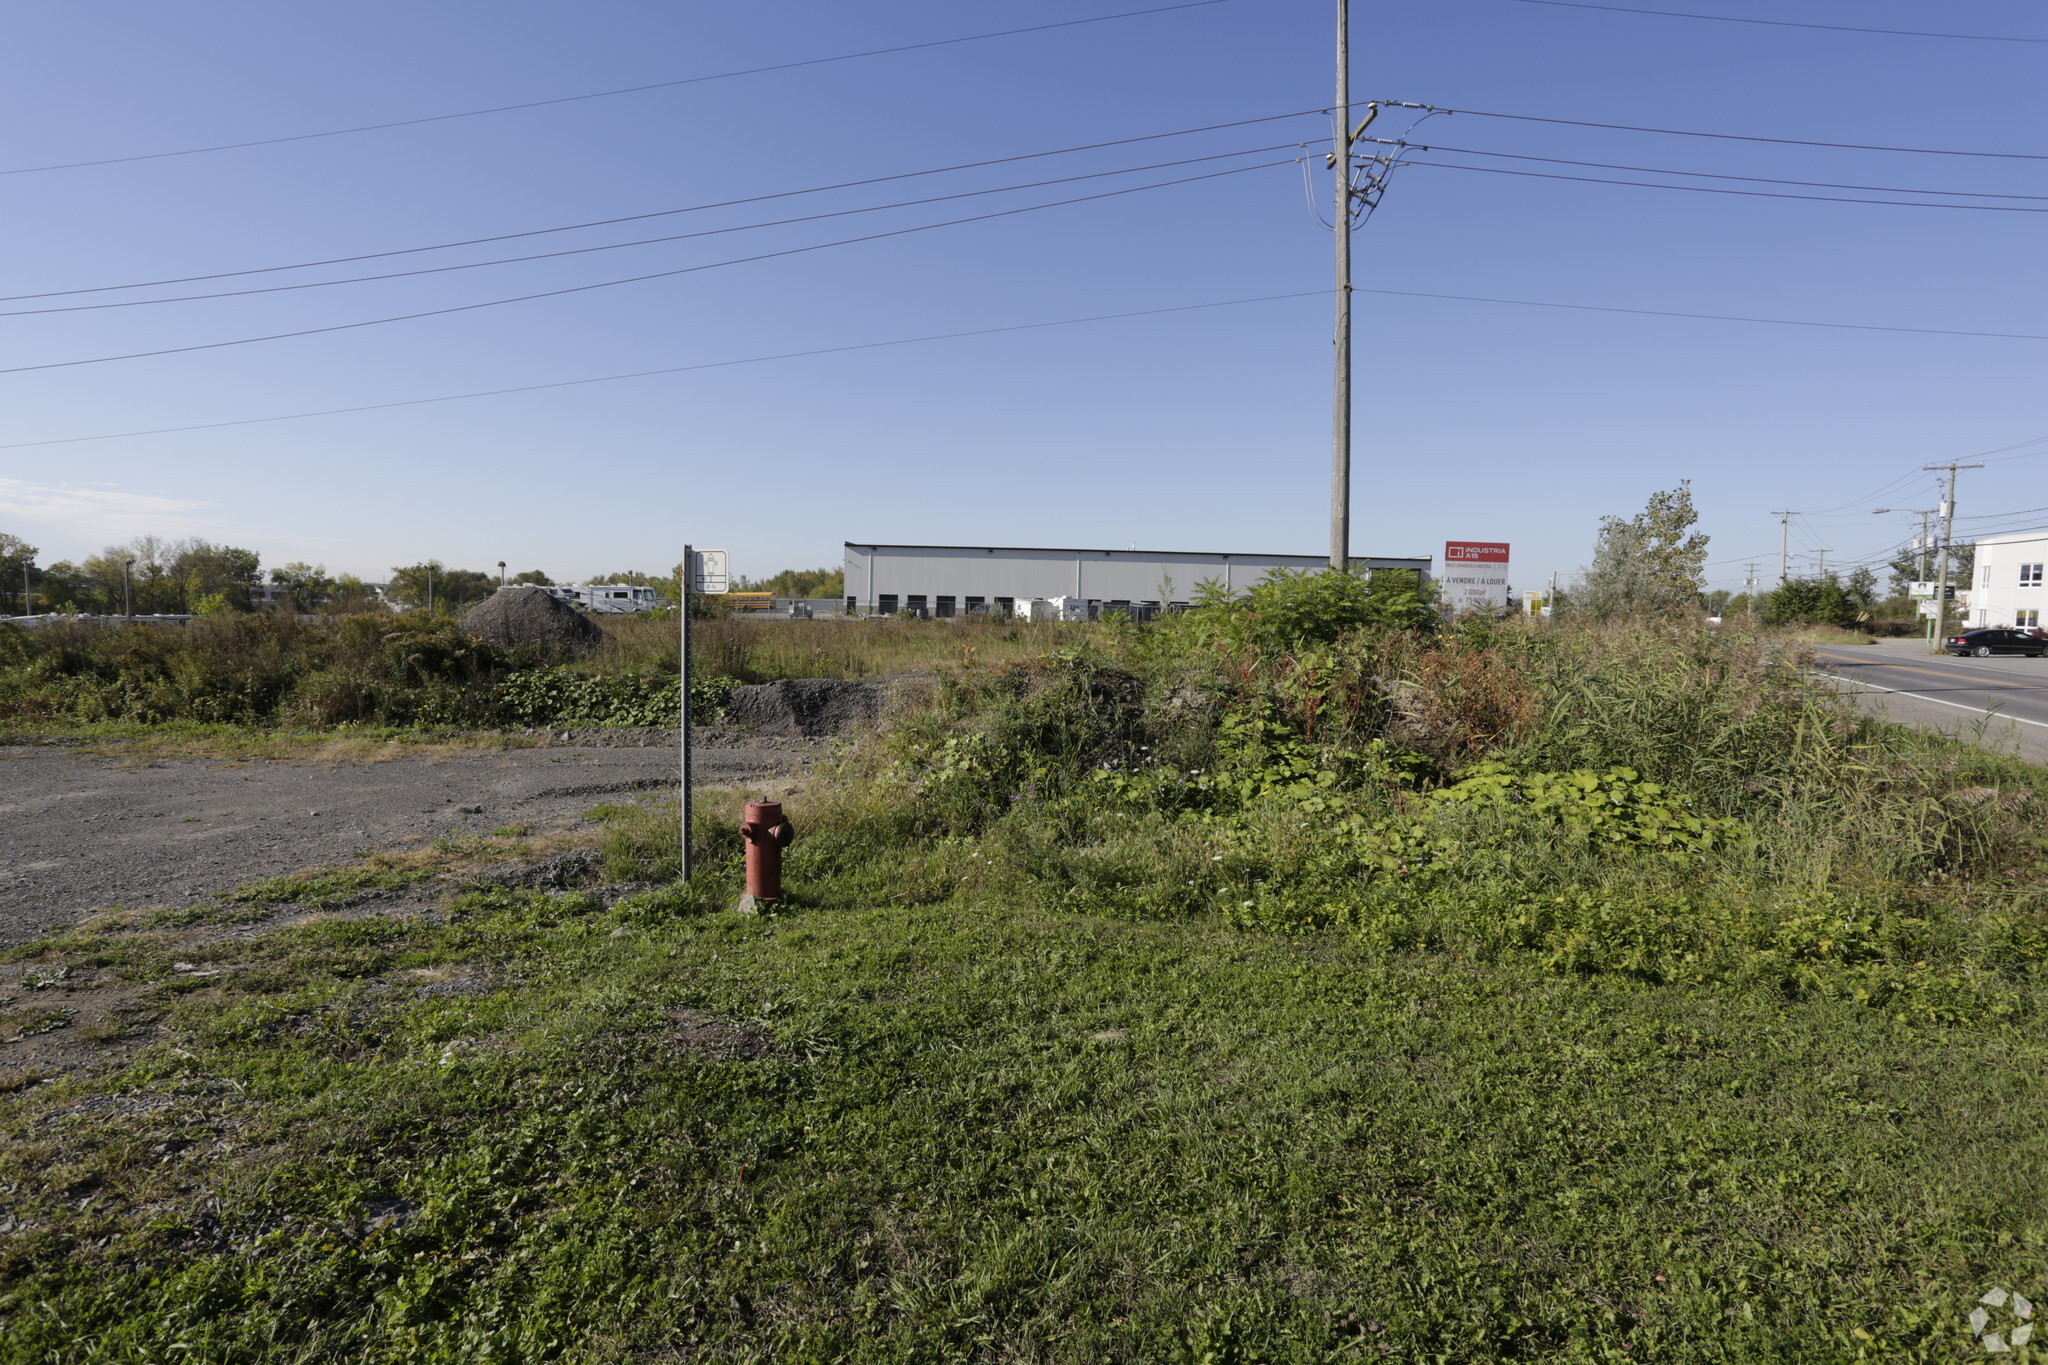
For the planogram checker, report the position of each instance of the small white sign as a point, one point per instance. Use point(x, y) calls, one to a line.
point(708, 572)
point(1921, 592)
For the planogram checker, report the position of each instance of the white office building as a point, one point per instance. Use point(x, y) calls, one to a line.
point(965, 580)
point(2009, 589)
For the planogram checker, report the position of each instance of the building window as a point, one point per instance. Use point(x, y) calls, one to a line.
point(1006, 606)
point(977, 606)
point(916, 604)
point(2030, 575)
point(887, 603)
point(945, 607)
point(2027, 619)
point(852, 605)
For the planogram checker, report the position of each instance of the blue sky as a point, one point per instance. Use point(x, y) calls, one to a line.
point(1192, 430)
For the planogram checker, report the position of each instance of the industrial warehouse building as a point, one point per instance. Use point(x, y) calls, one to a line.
point(961, 580)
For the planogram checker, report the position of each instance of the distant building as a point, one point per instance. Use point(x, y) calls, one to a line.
point(963, 580)
point(2008, 589)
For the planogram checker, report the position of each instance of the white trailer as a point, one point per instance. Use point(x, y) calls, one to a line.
point(606, 599)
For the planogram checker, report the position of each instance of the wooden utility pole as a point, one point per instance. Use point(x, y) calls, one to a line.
point(1340, 163)
point(1784, 543)
point(1948, 526)
point(683, 594)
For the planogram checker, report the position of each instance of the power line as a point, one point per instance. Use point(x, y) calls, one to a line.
point(672, 369)
point(635, 279)
point(1709, 175)
point(2030, 455)
point(658, 213)
point(1728, 137)
point(1896, 485)
point(644, 241)
point(1785, 23)
point(604, 94)
point(2010, 531)
point(1723, 189)
point(1402, 293)
point(1884, 491)
point(2004, 516)
point(1710, 317)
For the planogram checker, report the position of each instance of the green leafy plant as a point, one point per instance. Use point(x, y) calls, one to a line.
point(1615, 807)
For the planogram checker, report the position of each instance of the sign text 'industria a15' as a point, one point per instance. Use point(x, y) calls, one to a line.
point(1475, 574)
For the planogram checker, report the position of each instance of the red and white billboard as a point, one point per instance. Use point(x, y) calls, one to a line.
point(1475, 552)
point(1475, 575)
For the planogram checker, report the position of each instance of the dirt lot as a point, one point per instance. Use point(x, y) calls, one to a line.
point(87, 832)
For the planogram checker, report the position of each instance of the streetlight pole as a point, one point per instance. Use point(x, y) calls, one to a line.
point(501, 573)
point(127, 596)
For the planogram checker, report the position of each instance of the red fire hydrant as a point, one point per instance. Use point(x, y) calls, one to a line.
point(767, 834)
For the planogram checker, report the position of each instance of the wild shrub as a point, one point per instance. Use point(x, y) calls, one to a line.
point(559, 696)
point(1615, 807)
point(1624, 797)
point(987, 739)
point(1289, 609)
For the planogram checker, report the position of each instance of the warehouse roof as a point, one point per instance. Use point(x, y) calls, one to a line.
point(1073, 550)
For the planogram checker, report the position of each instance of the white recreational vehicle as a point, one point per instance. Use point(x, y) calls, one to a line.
point(605, 599)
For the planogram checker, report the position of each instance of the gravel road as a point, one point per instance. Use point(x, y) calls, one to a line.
point(84, 833)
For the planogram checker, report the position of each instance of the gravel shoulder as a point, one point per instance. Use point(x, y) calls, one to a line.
point(87, 833)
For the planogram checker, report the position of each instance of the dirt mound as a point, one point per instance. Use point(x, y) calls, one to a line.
point(526, 615)
point(805, 706)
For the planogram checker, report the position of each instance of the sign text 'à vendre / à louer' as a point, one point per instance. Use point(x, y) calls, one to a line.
point(1475, 574)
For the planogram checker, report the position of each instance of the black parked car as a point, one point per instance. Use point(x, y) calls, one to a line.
point(1992, 640)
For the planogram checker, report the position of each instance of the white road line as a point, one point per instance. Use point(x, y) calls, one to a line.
point(1992, 712)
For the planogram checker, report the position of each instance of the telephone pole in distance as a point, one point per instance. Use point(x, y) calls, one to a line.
point(1942, 556)
point(1784, 542)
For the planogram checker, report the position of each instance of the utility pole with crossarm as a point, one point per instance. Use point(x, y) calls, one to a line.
point(1948, 527)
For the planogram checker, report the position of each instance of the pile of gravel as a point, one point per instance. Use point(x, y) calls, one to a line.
point(805, 706)
point(527, 615)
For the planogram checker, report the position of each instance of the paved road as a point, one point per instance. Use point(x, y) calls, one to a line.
point(1898, 679)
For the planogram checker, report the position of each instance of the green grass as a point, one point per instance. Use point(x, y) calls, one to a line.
point(335, 886)
point(264, 686)
point(762, 651)
point(1139, 1009)
point(952, 1132)
point(232, 742)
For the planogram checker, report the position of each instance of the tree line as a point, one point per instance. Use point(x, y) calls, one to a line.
point(154, 575)
point(1653, 564)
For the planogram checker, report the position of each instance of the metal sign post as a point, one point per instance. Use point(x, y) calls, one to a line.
point(689, 567)
point(702, 571)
